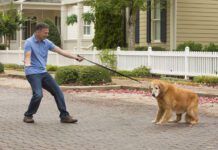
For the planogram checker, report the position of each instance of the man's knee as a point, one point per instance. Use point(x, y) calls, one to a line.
point(38, 96)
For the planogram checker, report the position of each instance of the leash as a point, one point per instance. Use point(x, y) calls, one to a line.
point(110, 69)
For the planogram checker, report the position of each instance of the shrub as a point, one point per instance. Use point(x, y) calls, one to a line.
point(206, 79)
point(2, 46)
point(94, 75)
point(192, 45)
point(211, 48)
point(158, 48)
point(54, 34)
point(141, 48)
point(125, 72)
point(66, 75)
point(1, 68)
point(109, 28)
point(124, 48)
point(13, 66)
point(51, 68)
point(141, 72)
point(145, 48)
point(108, 58)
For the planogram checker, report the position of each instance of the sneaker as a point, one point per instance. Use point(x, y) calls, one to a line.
point(28, 119)
point(68, 119)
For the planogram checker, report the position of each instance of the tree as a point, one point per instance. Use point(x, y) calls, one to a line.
point(10, 22)
point(132, 6)
point(54, 35)
point(109, 32)
point(118, 7)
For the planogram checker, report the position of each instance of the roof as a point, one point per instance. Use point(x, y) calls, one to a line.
point(45, 1)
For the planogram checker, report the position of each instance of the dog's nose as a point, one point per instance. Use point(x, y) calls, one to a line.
point(153, 95)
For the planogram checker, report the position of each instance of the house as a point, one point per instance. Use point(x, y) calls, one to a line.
point(78, 35)
point(37, 11)
point(183, 20)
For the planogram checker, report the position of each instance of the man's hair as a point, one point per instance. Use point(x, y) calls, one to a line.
point(41, 26)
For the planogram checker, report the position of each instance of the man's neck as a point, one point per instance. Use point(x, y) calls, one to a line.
point(37, 38)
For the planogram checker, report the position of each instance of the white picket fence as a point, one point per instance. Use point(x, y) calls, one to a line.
point(184, 63)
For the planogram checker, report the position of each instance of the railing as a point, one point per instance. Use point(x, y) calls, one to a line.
point(184, 63)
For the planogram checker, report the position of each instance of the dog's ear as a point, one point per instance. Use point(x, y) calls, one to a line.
point(163, 87)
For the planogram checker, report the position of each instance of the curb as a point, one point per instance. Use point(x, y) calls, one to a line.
point(203, 94)
point(89, 88)
point(108, 87)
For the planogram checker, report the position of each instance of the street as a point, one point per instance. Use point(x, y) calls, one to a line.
point(104, 124)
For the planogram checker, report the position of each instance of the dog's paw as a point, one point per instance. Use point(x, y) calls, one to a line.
point(158, 123)
point(173, 121)
point(153, 121)
point(161, 122)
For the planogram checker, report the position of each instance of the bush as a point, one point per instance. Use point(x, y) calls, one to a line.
point(125, 72)
point(158, 48)
point(66, 75)
point(2, 47)
point(141, 72)
point(1, 68)
point(13, 66)
point(54, 34)
point(94, 75)
point(108, 58)
point(51, 68)
point(141, 48)
point(109, 27)
point(192, 45)
point(138, 72)
point(211, 48)
point(206, 79)
point(145, 48)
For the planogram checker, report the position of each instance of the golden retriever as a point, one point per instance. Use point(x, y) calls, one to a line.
point(173, 99)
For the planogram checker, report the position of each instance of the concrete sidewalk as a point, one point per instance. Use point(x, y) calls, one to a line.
point(122, 83)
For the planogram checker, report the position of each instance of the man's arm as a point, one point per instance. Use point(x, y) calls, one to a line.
point(27, 59)
point(66, 54)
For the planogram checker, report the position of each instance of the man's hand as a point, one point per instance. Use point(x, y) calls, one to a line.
point(79, 59)
point(27, 61)
point(27, 64)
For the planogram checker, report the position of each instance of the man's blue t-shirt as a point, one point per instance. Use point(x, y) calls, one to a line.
point(39, 54)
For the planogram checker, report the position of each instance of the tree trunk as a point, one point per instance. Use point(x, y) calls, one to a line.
point(9, 41)
point(131, 31)
point(6, 41)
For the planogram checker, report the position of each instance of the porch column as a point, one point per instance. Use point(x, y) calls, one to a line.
point(21, 30)
point(63, 24)
point(3, 39)
point(80, 26)
point(173, 24)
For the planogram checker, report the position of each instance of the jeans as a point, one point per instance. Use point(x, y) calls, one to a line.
point(45, 81)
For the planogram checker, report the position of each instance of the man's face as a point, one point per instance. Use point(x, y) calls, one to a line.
point(42, 34)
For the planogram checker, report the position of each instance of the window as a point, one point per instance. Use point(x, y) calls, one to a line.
point(29, 27)
point(58, 23)
point(156, 21)
point(87, 28)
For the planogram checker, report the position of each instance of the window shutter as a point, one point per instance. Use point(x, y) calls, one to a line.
point(163, 21)
point(137, 32)
point(148, 21)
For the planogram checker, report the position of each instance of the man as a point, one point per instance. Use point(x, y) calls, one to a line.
point(35, 59)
